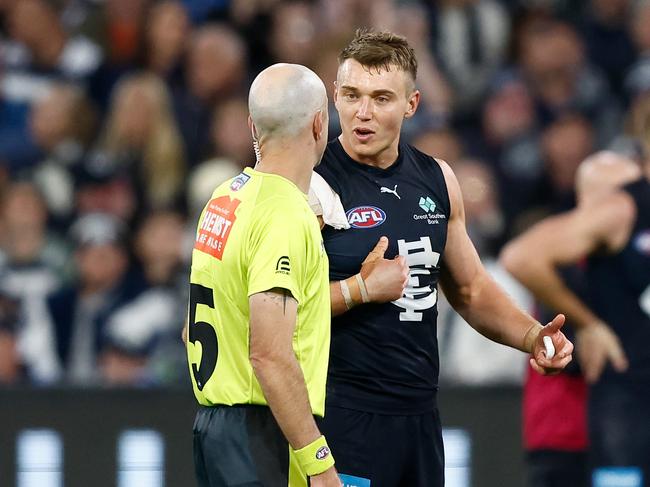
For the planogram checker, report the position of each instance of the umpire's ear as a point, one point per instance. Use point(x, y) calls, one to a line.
point(251, 126)
point(318, 126)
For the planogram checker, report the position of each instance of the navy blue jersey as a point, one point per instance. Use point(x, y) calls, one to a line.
point(384, 357)
point(619, 288)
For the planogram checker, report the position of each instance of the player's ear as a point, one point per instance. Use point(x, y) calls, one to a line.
point(336, 92)
point(412, 104)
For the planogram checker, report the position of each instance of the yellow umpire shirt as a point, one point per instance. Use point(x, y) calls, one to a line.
point(256, 233)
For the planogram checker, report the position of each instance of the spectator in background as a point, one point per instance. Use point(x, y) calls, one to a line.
point(443, 142)
point(43, 46)
point(207, 82)
point(39, 53)
point(159, 249)
point(293, 35)
point(79, 313)
point(142, 134)
point(607, 40)
point(63, 122)
point(102, 185)
point(227, 136)
point(342, 17)
point(483, 217)
point(123, 20)
point(9, 321)
point(142, 336)
point(637, 79)
point(33, 265)
point(565, 144)
point(551, 55)
point(325, 64)
point(166, 34)
point(62, 125)
point(509, 140)
point(638, 23)
point(471, 37)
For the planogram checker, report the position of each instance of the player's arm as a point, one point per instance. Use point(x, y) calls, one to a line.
point(272, 323)
point(379, 280)
point(483, 304)
point(534, 259)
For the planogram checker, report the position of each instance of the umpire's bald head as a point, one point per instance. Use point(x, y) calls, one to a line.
point(284, 99)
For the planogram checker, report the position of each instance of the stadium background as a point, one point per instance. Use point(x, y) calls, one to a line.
point(118, 117)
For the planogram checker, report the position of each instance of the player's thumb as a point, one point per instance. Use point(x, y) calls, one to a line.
point(556, 324)
point(379, 250)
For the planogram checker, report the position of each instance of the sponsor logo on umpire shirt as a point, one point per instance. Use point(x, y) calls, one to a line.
point(239, 181)
point(283, 265)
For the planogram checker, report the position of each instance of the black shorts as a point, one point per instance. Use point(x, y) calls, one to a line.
point(555, 468)
point(377, 450)
point(619, 429)
point(242, 446)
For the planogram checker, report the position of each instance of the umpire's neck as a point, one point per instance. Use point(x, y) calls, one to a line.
point(294, 157)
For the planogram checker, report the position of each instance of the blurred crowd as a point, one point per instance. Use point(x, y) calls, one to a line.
point(119, 117)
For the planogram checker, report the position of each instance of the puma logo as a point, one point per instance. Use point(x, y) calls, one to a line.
point(384, 189)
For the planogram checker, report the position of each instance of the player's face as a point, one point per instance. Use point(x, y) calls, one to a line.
point(372, 105)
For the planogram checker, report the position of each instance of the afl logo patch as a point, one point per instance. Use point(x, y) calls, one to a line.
point(322, 452)
point(239, 181)
point(642, 242)
point(366, 217)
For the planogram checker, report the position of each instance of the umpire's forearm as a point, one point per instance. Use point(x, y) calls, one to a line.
point(283, 385)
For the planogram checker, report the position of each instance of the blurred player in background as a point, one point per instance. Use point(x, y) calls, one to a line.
point(406, 208)
point(259, 332)
point(554, 408)
point(611, 230)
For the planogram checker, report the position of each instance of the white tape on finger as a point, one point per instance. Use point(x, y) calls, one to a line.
point(550, 348)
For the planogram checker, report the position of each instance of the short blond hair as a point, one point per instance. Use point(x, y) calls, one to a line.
point(381, 50)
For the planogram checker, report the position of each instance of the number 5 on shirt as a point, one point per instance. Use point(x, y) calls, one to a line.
point(204, 333)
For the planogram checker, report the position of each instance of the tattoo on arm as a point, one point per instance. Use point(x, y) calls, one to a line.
point(279, 295)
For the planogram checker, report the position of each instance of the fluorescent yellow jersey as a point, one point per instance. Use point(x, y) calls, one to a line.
point(256, 233)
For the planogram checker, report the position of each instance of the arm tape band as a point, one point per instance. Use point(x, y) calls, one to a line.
point(531, 336)
point(345, 291)
point(362, 287)
point(315, 458)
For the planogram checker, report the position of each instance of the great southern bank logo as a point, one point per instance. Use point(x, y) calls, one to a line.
point(430, 215)
point(427, 204)
point(365, 217)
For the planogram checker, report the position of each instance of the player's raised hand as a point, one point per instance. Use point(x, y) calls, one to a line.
point(328, 478)
point(560, 346)
point(596, 345)
point(385, 279)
